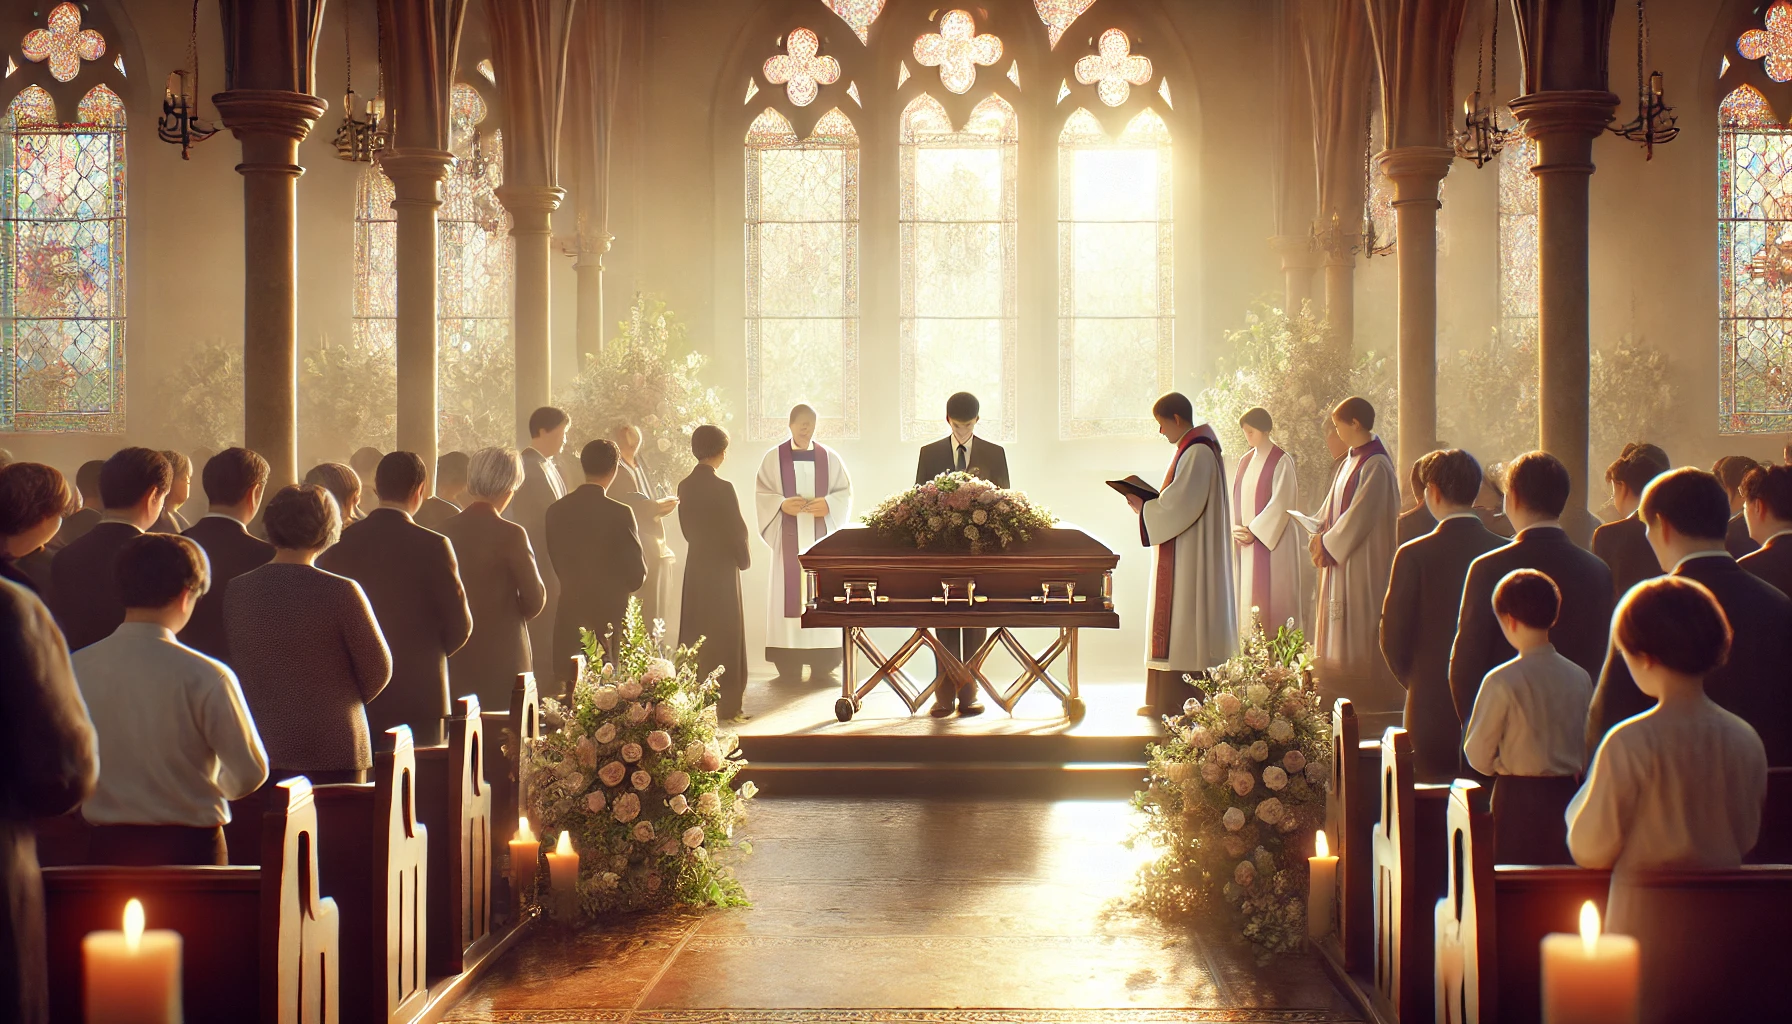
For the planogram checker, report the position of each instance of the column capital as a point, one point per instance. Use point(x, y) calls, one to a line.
point(1415, 171)
point(416, 173)
point(269, 112)
point(523, 199)
point(1583, 112)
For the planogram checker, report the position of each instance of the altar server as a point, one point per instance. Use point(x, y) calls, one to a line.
point(1192, 626)
point(1266, 556)
point(1354, 551)
point(803, 494)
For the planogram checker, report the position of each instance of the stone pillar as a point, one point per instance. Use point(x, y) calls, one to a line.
point(590, 270)
point(531, 209)
point(1564, 123)
point(1299, 260)
point(1416, 172)
point(270, 124)
point(417, 177)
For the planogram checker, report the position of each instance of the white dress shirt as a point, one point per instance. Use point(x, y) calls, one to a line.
point(1530, 717)
point(175, 738)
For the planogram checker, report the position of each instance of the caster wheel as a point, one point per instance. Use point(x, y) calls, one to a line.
point(843, 709)
point(1075, 709)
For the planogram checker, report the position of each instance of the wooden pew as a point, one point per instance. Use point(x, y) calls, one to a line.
point(374, 862)
point(259, 944)
point(454, 804)
point(1721, 945)
point(1350, 825)
point(510, 739)
point(1410, 866)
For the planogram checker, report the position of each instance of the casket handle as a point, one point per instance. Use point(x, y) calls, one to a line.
point(958, 591)
point(860, 592)
point(1058, 592)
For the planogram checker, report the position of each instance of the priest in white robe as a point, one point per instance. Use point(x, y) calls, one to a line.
point(1193, 626)
point(1354, 552)
point(803, 494)
point(1267, 548)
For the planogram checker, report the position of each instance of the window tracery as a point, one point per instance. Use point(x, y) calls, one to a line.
point(1113, 69)
point(1519, 278)
point(957, 49)
point(64, 44)
point(859, 15)
point(1116, 325)
point(62, 250)
point(1754, 225)
point(799, 68)
point(1059, 14)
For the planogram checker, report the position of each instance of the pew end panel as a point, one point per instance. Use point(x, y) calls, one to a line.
point(1409, 877)
point(301, 956)
point(469, 859)
point(510, 739)
point(1462, 994)
point(1350, 823)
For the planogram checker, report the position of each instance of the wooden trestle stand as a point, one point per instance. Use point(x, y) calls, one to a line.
point(858, 580)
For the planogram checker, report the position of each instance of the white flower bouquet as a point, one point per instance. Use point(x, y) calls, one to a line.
point(1236, 792)
point(958, 510)
point(641, 778)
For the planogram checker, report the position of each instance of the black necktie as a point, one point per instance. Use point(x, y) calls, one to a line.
point(961, 458)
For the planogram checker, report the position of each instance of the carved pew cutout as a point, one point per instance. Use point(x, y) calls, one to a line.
point(454, 811)
point(1350, 823)
point(259, 944)
point(510, 737)
point(375, 862)
point(1410, 866)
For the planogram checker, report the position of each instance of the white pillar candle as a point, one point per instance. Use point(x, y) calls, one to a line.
point(132, 976)
point(563, 877)
point(1590, 978)
point(525, 853)
point(1322, 887)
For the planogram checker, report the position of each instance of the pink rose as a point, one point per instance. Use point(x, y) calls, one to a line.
point(626, 808)
point(1244, 874)
point(677, 782)
point(606, 733)
point(1212, 771)
point(629, 690)
point(594, 802)
point(611, 774)
point(665, 714)
point(653, 883)
point(587, 752)
point(1294, 761)
point(643, 831)
point(1270, 811)
point(678, 804)
point(631, 752)
point(641, 780)
point(693, 837)
point(659, 740)
point(712, 762)
point(1241, 781)
point(1256, 718)
point(637, 713)
point(694, 751)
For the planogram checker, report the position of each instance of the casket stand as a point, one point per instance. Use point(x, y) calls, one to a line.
point(858, 579)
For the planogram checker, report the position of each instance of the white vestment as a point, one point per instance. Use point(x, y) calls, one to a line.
point(1274, 560)
point(1192, 511)
point(782, 630)
point(1359, 537)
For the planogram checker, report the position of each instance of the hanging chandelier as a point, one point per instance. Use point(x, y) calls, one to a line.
point(1481, 138)
point(362, 133)
point(180, 123)
point(1655, 121)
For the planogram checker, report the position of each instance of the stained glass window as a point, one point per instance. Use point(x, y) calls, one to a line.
point(1116, 329)
point(1754, 253)
point(857, 13)
point(474, 266)
point(1058, 14)
point(1518, 242)
point(62, 223)
point(802, 234)
point(959, 213)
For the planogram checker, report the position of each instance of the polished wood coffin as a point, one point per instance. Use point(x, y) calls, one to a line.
point(1062, 577)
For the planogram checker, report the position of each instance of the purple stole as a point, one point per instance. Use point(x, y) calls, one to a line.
point(1164, 587)
point(1374, 447)
point(788, 457)
point(1265, 487)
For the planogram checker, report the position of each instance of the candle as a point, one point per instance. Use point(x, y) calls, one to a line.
point(1322, 887)
point(525, 852)
point(133, 976)
point(563, 877)
point(1589, 978)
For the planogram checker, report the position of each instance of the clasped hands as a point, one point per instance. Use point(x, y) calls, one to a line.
point(1316, 545)
point(800, 506)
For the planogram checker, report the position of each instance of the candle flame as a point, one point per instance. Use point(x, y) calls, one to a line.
point(523, 835)
point(1321, 848)
point(1589, 926)
point(564, 846)
point(133, 925)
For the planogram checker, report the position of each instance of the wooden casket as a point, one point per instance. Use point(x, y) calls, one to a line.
point(859, 579)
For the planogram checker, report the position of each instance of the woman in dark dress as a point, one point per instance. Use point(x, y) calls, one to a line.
point(709, 515)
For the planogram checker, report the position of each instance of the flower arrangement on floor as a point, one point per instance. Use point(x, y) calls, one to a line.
point(958, 510)
point(1237, 791)
point(641, 778)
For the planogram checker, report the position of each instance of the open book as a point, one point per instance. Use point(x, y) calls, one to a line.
point(1133, 485)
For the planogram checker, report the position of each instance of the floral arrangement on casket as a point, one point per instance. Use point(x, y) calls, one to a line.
point(958, 510)
point(1237, 791)
point(640, 776)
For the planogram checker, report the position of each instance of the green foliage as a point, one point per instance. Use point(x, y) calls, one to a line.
point(1487, 398)
point(1635, 398)
point(204, 390)
point(348, 397)
point(646, 375)
point(476, 392)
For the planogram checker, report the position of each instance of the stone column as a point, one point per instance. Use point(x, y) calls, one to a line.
point(417, 176)
point(270, 124)
point(1416, 172)
point(1299, 260)
point(1564, 123)
point(531, 209)
point(590, 270)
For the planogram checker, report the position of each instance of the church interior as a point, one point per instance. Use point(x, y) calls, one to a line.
point(340, 234)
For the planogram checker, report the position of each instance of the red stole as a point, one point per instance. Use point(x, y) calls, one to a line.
point(1164, 586)
point(1363, 454)
point(1266, 481)
point(788, 457)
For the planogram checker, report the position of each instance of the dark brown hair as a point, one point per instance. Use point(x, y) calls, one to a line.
point(1690, 500)
point(1257, 418)
point(545, 419)
point(1539, 481)
point(452, 469)
point(1456, 475)
point(154, 568)
point(1528, 596)
point(231, 474)
point(399, 475)
point(598, 458)
point(1772, 487)
point(1355, 409)
point(708, 441)
point(343, 483)
point(31, 492)
point(302, 518)
point(130, 474)
point(1730, 470)
point(1634, 470)
point(1675, 621)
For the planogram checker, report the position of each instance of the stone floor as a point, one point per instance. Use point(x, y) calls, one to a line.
point(910, 910)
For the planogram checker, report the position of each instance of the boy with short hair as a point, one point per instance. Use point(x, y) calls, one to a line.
point(1525, 727)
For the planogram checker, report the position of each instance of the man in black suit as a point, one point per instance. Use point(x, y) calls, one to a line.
point(962, 451)
point(1536, 492)
point(542, 486)
point(87, 481)
point(1729, 471)
point(1687, 514)
point(1624, 545)
point(234, 480)
point(1418, 619)
point(1767, 501)
point(412, 580)
point(133, 485)
point(451, 483)
point(593, 540)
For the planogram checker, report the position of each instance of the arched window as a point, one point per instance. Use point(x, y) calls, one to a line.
point(62, 221)
point(1754, 252)
point(474, 267)
point(802, 232)
point(1116, 328)
point(959, 223)
point(1518, 243)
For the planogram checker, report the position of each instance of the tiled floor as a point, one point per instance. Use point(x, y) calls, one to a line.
point(909, 910)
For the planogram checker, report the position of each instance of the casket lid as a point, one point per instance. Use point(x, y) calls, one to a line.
point(1062, 549)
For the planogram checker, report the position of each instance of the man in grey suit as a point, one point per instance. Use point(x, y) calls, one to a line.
point(542, 486)
point(636, 489)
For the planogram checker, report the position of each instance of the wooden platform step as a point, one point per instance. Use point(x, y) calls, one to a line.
point(1084, 779)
